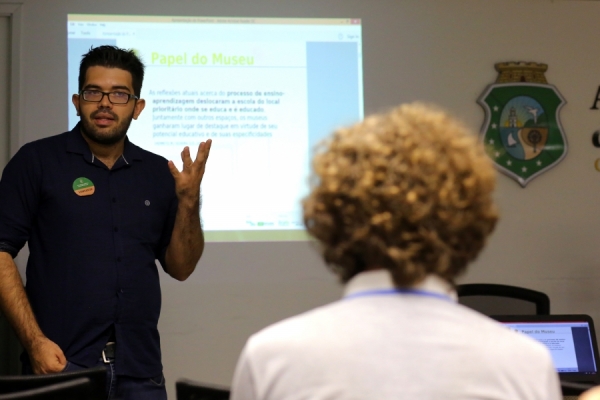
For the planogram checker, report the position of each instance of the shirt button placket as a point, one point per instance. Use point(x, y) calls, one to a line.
point(116, 221)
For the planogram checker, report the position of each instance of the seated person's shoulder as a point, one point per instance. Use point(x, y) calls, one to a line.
point(302, 328)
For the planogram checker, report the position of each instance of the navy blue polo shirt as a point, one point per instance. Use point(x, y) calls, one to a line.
point(92, 258)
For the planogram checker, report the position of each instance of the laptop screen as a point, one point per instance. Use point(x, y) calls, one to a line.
point(571, 340)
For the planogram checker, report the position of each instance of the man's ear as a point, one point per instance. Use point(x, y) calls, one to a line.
point(75, 100)
point(139, 106)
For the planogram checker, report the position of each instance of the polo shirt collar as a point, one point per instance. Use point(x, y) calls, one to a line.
point(381, 279)
point(77, 144)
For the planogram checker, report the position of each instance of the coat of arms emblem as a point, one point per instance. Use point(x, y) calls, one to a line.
point(522, 132)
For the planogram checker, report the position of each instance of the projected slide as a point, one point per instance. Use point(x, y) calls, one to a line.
point(264, 90)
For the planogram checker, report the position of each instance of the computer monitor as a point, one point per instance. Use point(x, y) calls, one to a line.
point(571, 340)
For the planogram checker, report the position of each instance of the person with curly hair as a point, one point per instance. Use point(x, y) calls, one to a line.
point(400, 204)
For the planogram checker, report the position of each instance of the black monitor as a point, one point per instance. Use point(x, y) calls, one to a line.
point(96, 375)
point(188, 390)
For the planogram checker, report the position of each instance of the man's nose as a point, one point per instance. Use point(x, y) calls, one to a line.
point(104, 101)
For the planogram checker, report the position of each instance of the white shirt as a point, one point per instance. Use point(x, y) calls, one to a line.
point(379, 344)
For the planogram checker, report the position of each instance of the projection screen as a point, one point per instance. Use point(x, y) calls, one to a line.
point(265, 90)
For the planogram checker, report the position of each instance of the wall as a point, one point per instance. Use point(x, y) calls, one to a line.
point(441, 51)
point(9, 344)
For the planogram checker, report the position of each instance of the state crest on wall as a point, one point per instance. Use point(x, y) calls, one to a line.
point(522, 133)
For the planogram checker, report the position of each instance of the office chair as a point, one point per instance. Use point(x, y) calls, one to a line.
point(496, 299)
point(75, 389)
point(572, 390)
point(96, 376)
point(187, 389)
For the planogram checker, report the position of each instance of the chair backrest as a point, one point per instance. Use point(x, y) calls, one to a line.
point(96, 376)
point(573, 389)
point(187, 389)
point(76, 389)
point(496, 299)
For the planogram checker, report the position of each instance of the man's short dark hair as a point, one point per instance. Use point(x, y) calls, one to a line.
point(113, 57)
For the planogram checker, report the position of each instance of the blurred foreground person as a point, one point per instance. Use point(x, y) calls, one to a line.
point(591, 394)
point(400, 204)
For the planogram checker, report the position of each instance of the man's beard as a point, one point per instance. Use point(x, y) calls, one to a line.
point(110, 137)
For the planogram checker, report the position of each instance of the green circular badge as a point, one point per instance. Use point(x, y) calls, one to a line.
point(83, 187)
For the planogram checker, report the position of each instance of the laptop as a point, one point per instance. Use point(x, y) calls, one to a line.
point(571, 340)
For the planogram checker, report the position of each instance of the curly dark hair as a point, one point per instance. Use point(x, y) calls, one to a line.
point(113, 57)
point(409, 191)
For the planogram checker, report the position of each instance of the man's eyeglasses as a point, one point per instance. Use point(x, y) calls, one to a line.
point(96, 96)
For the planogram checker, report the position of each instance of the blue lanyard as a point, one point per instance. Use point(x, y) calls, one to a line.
point(387, 292)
